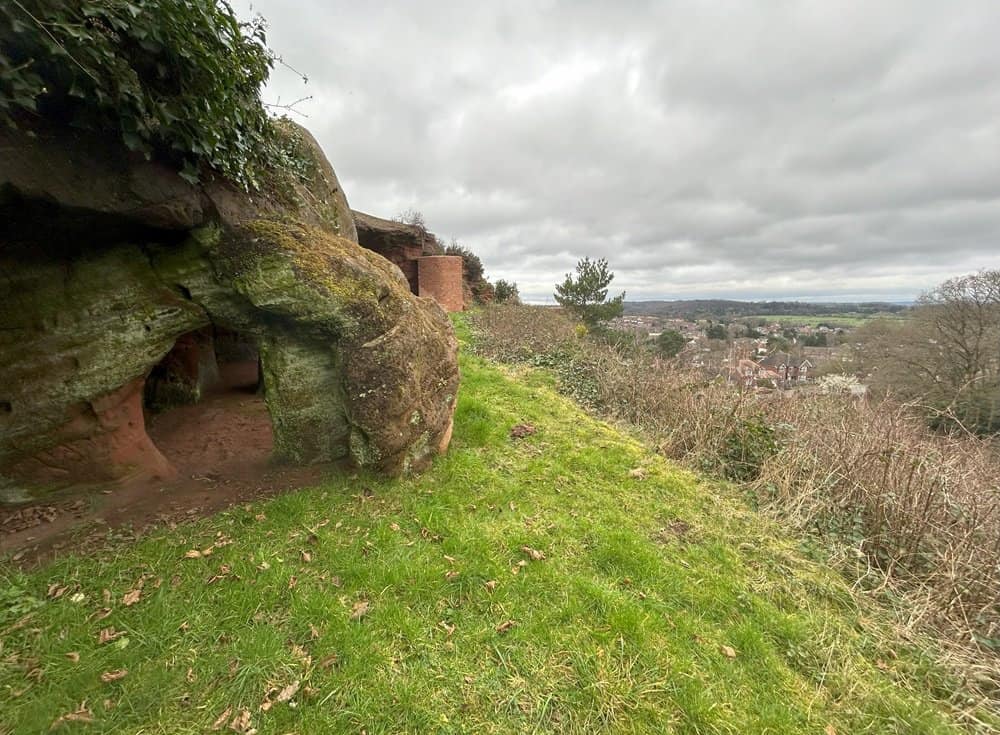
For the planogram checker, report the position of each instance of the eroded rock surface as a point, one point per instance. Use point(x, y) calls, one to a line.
point(102, 271)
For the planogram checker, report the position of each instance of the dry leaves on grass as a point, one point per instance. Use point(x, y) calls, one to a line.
point(360, 609)
point(109, 676)
point(241, 723)
point(535, 554)
point(224, 571)
point(109, 634)
point(80, 714)
point(491, 585)
point(522, 430)
point(505, 626)
point(328, 661)
point(73, 656)
point(132, 596)
point(284, 695)
point(728, 651)
point(637, 473)
point(449, 629)
point(221, 719)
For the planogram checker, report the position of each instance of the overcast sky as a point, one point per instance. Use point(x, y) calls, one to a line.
point(815, 150)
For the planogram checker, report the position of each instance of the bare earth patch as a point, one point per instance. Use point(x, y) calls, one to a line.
point(221, 449)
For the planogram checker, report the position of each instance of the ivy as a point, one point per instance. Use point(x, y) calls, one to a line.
point(178, 80)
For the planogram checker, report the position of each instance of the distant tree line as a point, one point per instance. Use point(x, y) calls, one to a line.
point(725, 309)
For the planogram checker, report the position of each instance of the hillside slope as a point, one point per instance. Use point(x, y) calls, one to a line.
point(425, 605)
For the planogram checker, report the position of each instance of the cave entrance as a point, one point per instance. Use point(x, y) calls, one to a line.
point(204, 406)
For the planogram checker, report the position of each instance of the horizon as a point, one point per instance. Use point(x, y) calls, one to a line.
point(818, 301)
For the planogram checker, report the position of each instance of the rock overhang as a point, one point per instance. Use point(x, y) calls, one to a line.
point(349, 355)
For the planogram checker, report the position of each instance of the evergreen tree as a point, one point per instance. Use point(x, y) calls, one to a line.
point(585, 295)
point(505, 292)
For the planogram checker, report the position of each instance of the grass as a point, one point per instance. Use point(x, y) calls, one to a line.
point(663, 605)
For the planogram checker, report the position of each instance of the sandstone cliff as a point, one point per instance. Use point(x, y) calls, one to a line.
point(107, 260)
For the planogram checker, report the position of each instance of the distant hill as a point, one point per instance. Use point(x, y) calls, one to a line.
point(727, 309)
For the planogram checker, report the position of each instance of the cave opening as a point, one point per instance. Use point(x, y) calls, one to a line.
point(204, 406)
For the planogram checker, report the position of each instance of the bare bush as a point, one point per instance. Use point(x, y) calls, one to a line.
point(899, 508)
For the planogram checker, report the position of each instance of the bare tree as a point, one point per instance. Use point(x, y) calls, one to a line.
point(947, 355)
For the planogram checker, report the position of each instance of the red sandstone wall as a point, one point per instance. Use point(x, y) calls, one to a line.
point(440, 277)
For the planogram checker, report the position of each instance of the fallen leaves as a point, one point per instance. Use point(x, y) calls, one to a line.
point(728, 651)
point(522, 430)
point(241, 723)
point(505, 626)
point(491, 585)
point(829, 730)
point(224, 571)
point(446, 627)
point(328, 661)
point(80, 714)
point(221, 719)
point(100, 614)
point(131, 597)
point(637, 473)
point(360, 609)
point(283, 695)
point(109, 676)
point(109, 634)
point(73, 656)
point(535, 554)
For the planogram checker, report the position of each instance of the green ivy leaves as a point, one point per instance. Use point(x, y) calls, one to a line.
point(177, 79)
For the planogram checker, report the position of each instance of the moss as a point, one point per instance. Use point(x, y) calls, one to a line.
point(338, 268)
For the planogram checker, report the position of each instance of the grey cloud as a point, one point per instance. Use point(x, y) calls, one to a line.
point(816, 149)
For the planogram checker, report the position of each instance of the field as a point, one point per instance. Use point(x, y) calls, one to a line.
point(812, 320)
point(558, 578)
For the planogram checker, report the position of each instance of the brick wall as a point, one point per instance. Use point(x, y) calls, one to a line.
point(440, 277)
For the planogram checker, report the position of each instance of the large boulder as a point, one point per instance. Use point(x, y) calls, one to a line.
point(106, 261)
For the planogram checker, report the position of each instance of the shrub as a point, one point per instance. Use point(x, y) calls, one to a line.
point(506, 292)
point(748, 444)
point(472, 266)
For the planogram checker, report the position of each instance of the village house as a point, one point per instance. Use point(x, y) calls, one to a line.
point(787, 368)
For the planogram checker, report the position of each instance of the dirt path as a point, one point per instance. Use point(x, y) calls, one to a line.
point(221, 450)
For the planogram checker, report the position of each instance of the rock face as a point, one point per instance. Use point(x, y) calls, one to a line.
point(419, 257)
point(107, 264)
point(399, 243)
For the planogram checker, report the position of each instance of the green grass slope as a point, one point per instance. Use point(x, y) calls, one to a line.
point(413, 606)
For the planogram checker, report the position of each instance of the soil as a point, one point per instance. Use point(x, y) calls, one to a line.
point(220, 449)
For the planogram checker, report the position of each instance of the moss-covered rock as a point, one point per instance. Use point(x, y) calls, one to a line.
point(96, 287)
